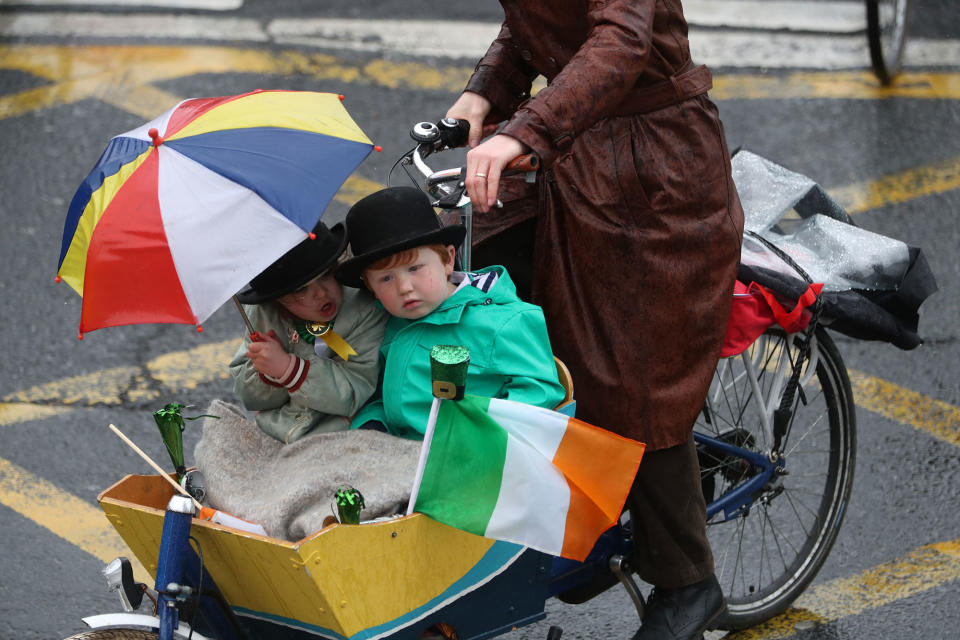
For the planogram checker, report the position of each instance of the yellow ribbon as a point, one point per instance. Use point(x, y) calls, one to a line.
point(340, 346)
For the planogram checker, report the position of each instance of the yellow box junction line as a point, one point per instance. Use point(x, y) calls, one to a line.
point(66, 515)
point(123, 75)
point(922, 569)
point(896, 188)
point(835, 85)
point(939, 419)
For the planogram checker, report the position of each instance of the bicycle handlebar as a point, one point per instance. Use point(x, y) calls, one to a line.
point(445, 135)
point(524, 163)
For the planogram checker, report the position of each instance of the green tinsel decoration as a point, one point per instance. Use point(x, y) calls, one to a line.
point(349, 504)
point(170, 422)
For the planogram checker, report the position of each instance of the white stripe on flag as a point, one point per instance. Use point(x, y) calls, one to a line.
point(529, 478)
point(516, 419)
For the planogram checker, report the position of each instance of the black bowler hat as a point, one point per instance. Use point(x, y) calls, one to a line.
point(298, 266)
point(388, 222)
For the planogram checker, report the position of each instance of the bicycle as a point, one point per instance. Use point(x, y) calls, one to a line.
point(777, 434)
point(763, 409)
point(887, 36)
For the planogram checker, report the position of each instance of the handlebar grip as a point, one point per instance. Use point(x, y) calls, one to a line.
point(453, 133)
point(526, 162)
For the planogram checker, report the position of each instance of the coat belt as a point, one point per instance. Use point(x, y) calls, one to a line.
point(681, 86)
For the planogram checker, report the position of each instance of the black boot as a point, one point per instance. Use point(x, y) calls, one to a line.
point(683, 613)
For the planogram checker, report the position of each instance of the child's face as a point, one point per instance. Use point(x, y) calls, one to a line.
point(415, 289)
point(317, 301)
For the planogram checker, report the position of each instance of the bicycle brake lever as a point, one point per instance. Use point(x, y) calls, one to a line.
point(450, 201)
point(453, 200)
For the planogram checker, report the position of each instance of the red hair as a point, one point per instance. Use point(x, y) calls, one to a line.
point(409, 256)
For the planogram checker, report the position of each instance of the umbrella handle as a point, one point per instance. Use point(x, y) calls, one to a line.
point(243, 313)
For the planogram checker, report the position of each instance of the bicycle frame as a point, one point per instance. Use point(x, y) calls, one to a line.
point(770, 401)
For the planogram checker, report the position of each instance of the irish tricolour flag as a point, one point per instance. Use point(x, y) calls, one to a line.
point(527, 475)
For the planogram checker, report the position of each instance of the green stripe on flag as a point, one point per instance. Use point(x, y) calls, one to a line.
point(464, 468)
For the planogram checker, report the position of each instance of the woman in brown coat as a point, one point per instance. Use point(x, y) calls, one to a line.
point(637, 243)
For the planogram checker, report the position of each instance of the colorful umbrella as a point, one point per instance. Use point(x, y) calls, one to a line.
point(179, 214)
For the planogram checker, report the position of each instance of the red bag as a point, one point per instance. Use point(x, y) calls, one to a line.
point(755, 309)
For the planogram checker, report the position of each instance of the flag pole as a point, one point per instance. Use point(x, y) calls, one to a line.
point(448, 372)
point(424, 449)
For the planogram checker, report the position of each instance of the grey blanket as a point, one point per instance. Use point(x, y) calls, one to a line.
point(289, 489)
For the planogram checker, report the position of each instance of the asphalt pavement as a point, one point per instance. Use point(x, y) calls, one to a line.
point(73, 75)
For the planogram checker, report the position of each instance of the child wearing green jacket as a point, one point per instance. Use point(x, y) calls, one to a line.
point(405, 257)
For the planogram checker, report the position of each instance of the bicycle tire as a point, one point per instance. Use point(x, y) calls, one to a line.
point(115, 634)
point(767, 556)
point(887, 36)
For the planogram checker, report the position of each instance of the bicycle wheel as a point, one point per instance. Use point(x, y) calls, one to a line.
point(115, 634)
point(766, 555)
point(887, 34)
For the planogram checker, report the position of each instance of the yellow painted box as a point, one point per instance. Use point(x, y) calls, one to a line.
point(360, 582)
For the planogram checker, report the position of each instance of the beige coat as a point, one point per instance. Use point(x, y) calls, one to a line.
point(334, 390)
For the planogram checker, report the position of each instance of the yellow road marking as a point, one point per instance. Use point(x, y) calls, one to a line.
point(64, 514)
point(100, 387)
point(14, 412)
point(187, 369)
point(191, 367)
point(123, 75)
point(355, 188)
point(908, 407)
point(922, 569)
point(176, 370)
point(899, 187)
point(843, 85)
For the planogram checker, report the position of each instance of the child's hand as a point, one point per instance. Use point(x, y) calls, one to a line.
point(267, 354)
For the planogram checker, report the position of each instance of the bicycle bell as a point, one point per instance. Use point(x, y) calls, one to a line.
point(425, 132)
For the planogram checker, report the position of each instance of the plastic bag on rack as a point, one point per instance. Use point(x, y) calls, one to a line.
point(796, 234)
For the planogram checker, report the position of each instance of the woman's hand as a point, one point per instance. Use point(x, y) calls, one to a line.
point(485, 163)
point(473, 108)
point(268, 356)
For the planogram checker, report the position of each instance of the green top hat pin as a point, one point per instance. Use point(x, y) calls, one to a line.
point(448, 369)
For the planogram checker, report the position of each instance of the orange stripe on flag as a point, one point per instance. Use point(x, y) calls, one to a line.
point(596, 463)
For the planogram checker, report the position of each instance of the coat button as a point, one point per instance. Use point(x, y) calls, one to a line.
point(488, 301)
point(526, 55)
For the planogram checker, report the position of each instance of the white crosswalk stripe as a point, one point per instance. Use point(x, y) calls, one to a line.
point(754, 34)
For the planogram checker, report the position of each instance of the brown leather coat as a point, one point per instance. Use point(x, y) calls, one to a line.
point(639, 224)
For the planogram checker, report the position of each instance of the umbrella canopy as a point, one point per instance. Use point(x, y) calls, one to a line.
point(182, 212)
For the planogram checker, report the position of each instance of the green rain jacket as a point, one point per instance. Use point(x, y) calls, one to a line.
point(334, 389)
point(510, 356)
